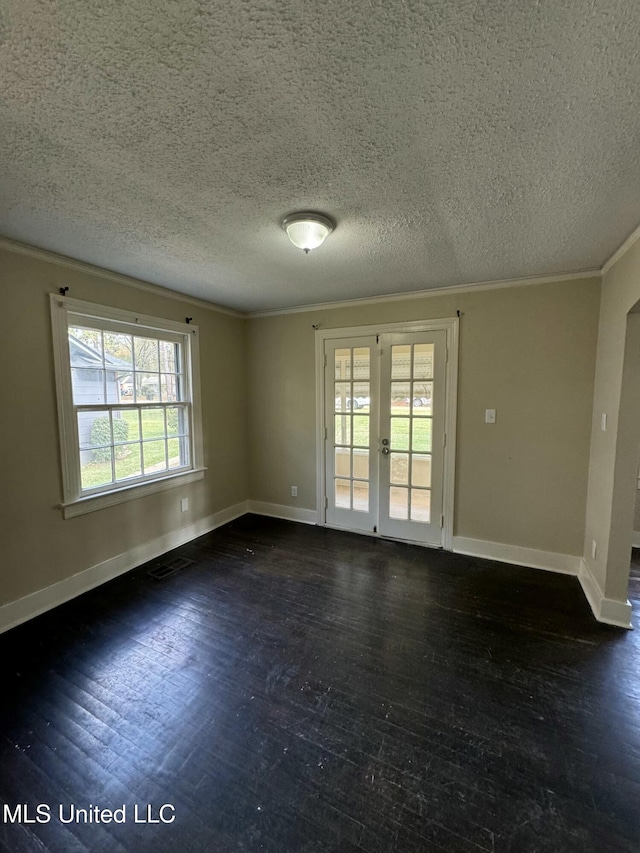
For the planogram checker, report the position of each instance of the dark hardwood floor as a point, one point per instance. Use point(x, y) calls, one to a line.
point(301, 689)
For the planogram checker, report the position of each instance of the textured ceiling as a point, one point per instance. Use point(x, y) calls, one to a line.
point(453, 142)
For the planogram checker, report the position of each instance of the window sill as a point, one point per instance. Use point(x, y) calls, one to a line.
point(129, 493)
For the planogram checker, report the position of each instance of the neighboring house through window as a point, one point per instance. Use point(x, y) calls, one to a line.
point(128, 403)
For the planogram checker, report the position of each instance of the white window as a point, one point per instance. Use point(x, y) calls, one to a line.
point(128, 403)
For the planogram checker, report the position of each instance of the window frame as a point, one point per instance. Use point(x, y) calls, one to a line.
point(63, 311)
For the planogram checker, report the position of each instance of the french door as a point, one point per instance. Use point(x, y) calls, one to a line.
point(384, 434)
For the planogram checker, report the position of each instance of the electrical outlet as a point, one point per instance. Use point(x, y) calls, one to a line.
point(594, 549)
point(294, 491)
point(184, 504)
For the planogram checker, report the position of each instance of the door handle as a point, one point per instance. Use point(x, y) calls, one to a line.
point(385, 451)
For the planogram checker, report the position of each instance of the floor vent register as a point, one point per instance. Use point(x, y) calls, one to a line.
point(165, 570)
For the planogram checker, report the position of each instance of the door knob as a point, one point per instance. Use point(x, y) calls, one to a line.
point(385, 451)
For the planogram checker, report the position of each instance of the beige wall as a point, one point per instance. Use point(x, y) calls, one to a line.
point(608, 507)
point(38, 547)
point(527, 351)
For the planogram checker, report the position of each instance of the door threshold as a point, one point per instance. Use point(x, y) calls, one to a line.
point(383, 538)
point(432, 545)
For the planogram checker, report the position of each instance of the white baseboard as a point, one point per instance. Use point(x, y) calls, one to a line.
point(565, 564)
point(15, 612)
point(635, 542)
point(606, 610)
point(25, 608)
point(289, 513)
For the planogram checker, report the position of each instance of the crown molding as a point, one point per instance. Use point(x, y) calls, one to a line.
point(434, 291)
point(622, 250)
point(119, 278)
point(82, 266)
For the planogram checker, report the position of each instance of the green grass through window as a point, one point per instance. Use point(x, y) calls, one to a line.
point(128, 462)
point(401, 428)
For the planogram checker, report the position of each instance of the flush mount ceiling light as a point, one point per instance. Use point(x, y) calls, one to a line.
point(307, 230)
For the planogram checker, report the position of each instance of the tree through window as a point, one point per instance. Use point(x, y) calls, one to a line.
point(126, 398)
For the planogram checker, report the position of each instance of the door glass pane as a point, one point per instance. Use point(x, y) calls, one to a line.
point(361, 430)
point(361, 464)
point(398, 503)
point(422, 396)
point(400, 433)
point(420, 505)
point(360, 398)
point(401, 361)
point(361, 366)
point(342, 462)
point(400, 392)
point(342, 363)
point(352, 403)
point(360, 496)
point(343, 494)
point(423, 361)
point(342, 396)
point(343, 429)
point(421, 435)
point(420, 470)
point(400, 468)
point(408, 404)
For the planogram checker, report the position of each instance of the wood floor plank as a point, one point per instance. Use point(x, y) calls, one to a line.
point(303, 689)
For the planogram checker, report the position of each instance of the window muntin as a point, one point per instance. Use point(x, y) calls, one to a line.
point(126, 399)
point(131, 403)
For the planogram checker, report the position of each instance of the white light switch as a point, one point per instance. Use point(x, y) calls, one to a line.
point(184, 504)
point(603, 422)
point(489, 416)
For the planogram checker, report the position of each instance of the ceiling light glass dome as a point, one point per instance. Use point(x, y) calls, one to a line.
point(307, 230)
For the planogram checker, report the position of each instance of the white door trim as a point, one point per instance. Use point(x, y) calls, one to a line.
point(451, 326)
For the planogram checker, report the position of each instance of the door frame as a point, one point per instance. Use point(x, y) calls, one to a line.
point(451, 326)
